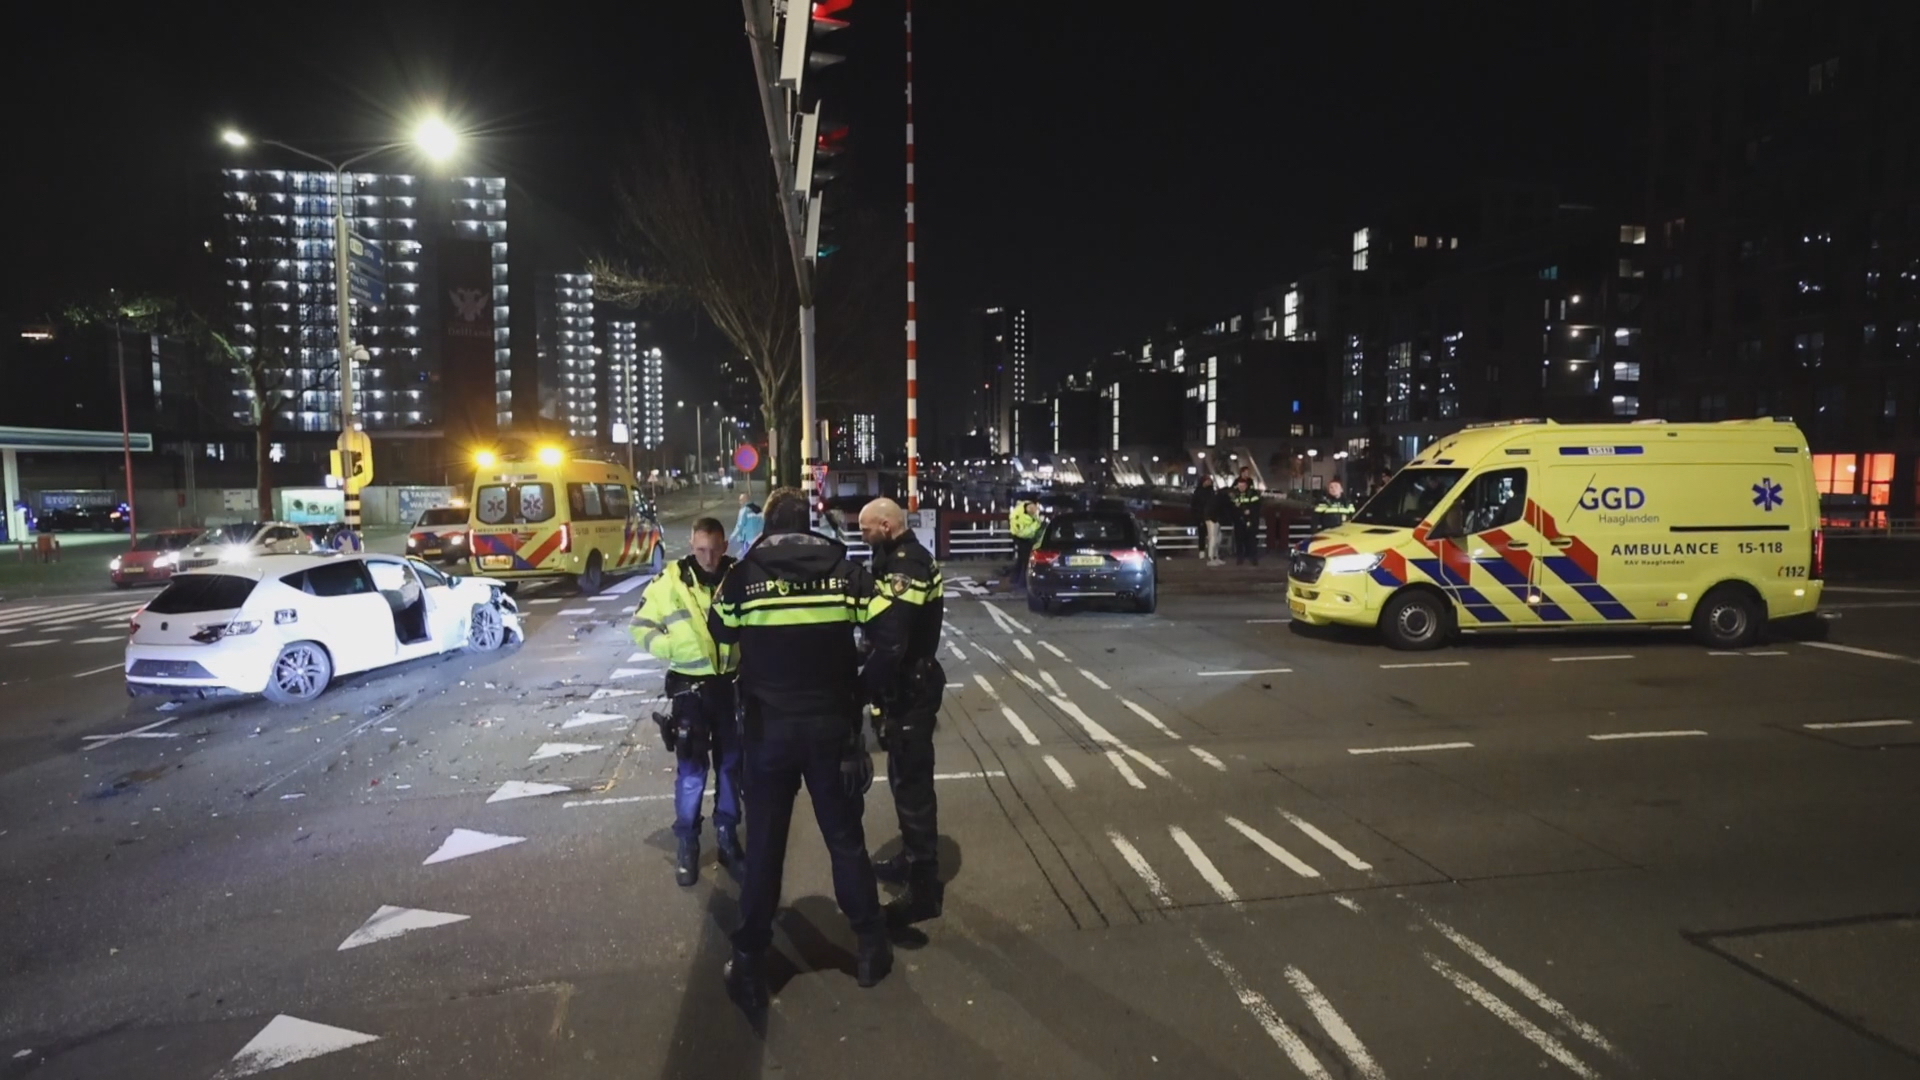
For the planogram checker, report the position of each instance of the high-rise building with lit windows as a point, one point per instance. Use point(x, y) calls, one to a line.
point(437, 340)
point(622, 356)
point(569, 358)
point(856, 440)
point(1003, 377)
point(636, 409)
point(653, 400)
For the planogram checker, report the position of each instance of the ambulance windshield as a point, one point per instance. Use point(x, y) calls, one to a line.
point(1408, 498)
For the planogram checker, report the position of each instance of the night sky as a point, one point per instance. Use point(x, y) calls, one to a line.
point(1109, 173)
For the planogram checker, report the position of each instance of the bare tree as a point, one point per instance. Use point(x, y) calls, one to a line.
point(701, 228)
point(270, 380)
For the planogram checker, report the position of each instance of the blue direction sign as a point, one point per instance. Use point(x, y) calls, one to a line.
point(366, 271)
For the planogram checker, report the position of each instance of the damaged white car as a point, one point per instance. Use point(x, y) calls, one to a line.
point(285, 625)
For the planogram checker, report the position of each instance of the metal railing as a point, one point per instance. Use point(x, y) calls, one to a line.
point(1905, 527)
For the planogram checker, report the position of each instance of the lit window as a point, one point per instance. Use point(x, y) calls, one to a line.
point(1633, 234)
point(1419, 241)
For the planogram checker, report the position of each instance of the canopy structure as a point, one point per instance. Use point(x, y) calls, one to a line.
point(13, 440)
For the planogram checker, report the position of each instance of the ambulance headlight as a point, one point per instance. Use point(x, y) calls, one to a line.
point(1354, 564)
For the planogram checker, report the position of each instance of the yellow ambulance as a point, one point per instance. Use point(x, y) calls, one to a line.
point(1531, 524)
point(555, 512)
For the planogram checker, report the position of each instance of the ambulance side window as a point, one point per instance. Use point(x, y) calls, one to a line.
point(1492, 500)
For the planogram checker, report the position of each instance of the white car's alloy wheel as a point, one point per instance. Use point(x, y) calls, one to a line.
point(487, 631)
point(300, 673)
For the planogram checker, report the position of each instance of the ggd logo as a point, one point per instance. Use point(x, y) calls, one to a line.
point(1613, 498)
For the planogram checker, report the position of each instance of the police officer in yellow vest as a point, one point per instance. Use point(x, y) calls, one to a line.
point(1023, 521)
point(1333, 508)
point(672, 625)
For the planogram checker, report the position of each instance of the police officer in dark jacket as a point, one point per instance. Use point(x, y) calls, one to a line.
point(790, 605)
point(908, 608)
point(1333, 508)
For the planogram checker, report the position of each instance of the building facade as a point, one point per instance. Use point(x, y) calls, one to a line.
point(1783, 253)
point(437, 340)
point(569, 355)
point(1002, 376)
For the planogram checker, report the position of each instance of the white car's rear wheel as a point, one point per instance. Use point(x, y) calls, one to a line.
point(300, 673)
point(486, 631)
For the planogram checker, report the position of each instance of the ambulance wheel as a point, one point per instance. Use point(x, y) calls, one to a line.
point(1416, 621)
point(589, 580)
point(1728, 617)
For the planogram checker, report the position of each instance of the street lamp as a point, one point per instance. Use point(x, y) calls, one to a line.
point(699, 448)
point(435, 139)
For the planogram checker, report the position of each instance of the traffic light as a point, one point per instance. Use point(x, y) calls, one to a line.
point(816, 142)
point(796, 57)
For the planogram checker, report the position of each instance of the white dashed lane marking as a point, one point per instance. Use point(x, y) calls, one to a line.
point(1581, 659)
point(1851, 724)
point(1410, 749)
point(1854, 650)
point(1612, 736)
point(1250, 671)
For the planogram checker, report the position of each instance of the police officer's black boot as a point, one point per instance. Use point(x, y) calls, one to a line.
point(732, 855)
point(923, 900)
point(874, 960)
point(686, 869)
point(891, 871)
point(746, 977)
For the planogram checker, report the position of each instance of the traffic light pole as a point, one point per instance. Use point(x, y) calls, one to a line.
point(342, 302)
point(759, 16)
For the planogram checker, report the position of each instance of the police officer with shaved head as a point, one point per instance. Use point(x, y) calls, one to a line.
point(908, 609)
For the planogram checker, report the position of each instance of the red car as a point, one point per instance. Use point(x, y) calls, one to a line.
point(151, 558)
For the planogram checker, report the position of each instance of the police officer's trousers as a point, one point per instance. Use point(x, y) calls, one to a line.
point(776, 767)
point(910, 778)
point(711, 709)
point(1245, 543)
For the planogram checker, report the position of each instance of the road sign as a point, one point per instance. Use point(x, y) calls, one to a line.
point(746, 459)
point(819, 478)
point(366, 270)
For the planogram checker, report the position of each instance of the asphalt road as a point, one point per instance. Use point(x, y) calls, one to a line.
point(1189, 845)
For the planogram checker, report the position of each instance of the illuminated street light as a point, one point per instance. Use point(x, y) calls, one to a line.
point(437, 141)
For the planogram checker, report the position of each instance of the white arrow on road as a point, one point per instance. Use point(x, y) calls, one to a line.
point(521, 789)
point(287, 1039)
point(464, 842)
point(563, 749)
point(603, 694)
point(391, 922)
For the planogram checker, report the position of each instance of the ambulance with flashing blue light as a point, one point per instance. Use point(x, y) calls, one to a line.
point(553, 512)
point(1532, 525)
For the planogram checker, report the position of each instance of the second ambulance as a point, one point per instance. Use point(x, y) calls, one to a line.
point(1534, 524)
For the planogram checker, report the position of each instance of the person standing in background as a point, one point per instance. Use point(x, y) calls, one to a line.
point(1246, 522)
point(748, 525)
point(1200, 509)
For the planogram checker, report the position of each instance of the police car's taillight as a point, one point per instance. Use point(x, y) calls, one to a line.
point(1818, 572)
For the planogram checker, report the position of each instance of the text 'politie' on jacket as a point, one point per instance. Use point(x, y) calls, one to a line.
point(790, 606)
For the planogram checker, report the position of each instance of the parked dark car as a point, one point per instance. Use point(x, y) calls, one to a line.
point(82, 519)
point(1093, 555)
